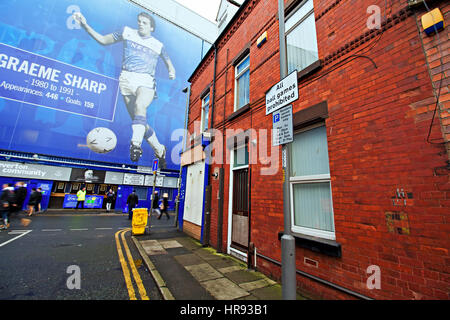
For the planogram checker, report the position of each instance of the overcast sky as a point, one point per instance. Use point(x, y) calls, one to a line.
point(205, 8)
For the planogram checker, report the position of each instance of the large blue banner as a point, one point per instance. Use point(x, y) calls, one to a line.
point(27, 77)
point(97, 80)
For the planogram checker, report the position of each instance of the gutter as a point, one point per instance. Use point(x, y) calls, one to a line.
point(234, 3)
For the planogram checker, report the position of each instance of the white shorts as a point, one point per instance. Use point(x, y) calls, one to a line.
point(129, 82)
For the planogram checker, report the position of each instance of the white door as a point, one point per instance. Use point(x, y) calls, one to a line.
point(193, 203)
point(238, 206)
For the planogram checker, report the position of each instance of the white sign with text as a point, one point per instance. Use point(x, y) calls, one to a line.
point(282, 126)
point(282, 94)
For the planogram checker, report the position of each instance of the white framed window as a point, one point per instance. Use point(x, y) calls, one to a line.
point(301, 37)
point(205, 113)
point(240, 157)
point(310, 184)
point(242, 83)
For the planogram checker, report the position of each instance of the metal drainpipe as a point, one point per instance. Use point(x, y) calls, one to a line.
point(222, 173)
point(206, 230)
point(186, 90)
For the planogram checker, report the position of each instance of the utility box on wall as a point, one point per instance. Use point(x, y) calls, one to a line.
point(433, 21)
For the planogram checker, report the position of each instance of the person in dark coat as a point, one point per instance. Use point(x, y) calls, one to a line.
point(155, 203)
point(37, 206)
point(109, 199)
point(34, 197)
point(7, 199)
point(21, 194)
point(132, 202)
point(164, 206)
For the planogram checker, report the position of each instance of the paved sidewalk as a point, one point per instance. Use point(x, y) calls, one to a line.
point(185, 270)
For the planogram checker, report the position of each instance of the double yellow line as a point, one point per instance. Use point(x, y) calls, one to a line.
point(126, 270)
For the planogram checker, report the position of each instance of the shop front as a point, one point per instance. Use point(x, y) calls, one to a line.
point(59, 185)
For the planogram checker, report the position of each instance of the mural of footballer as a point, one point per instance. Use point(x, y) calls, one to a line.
point(137, 79)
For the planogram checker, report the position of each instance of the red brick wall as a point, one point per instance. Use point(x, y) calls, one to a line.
point(436, 49)
point(192, 229)
point(377, 128)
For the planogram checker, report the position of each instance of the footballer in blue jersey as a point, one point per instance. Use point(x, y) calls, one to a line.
point(137, 82)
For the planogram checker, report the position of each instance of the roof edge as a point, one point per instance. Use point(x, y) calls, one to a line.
point(216, 42)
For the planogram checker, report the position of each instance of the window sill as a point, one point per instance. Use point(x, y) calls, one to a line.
point(239, 112)
point(328, 247)
point(315, 66)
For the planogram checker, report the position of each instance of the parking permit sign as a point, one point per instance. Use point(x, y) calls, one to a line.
point(282, 132)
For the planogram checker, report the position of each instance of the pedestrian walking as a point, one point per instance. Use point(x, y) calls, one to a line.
point(109, 199)
point(81, 196)
point(9, 208)
point(37, 206)
point(164, 206)
point(34, 196)
point(132, 202)
point(21, 194)
point(6, 200)
point(155, 203)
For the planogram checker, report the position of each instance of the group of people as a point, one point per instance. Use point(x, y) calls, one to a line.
point(12, 199)
point(159, 208)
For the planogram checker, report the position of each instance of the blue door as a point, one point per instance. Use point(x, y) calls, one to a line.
point(122, 195)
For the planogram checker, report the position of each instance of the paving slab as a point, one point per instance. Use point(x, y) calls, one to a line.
point(203, 272)
point(152, 247)
point(221, 262)
point(188, 243)
point(207, 254)
point(229, 269)
point(242, 276)
point(224, 289)
point(169, 244)
point(178, 251)
point(253, 285)
point(188, 259)
point(268, 293)
point(181, 284)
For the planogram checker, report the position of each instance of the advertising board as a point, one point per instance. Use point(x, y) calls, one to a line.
point(87, 175)
point(34, 171)
point(95, 80)
point(91, 201)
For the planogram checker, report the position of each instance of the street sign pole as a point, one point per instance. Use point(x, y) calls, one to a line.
point(154, 168)
point(288, 269)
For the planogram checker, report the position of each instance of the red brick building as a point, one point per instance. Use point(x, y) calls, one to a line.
point(369, 183)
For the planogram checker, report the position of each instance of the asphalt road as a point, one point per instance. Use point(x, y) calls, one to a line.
point(39, 261)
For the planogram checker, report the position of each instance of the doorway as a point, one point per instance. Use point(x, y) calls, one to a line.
point(239, 218)
point(193, 202)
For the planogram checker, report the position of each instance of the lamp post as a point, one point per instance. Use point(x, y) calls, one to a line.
point(288, 269)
